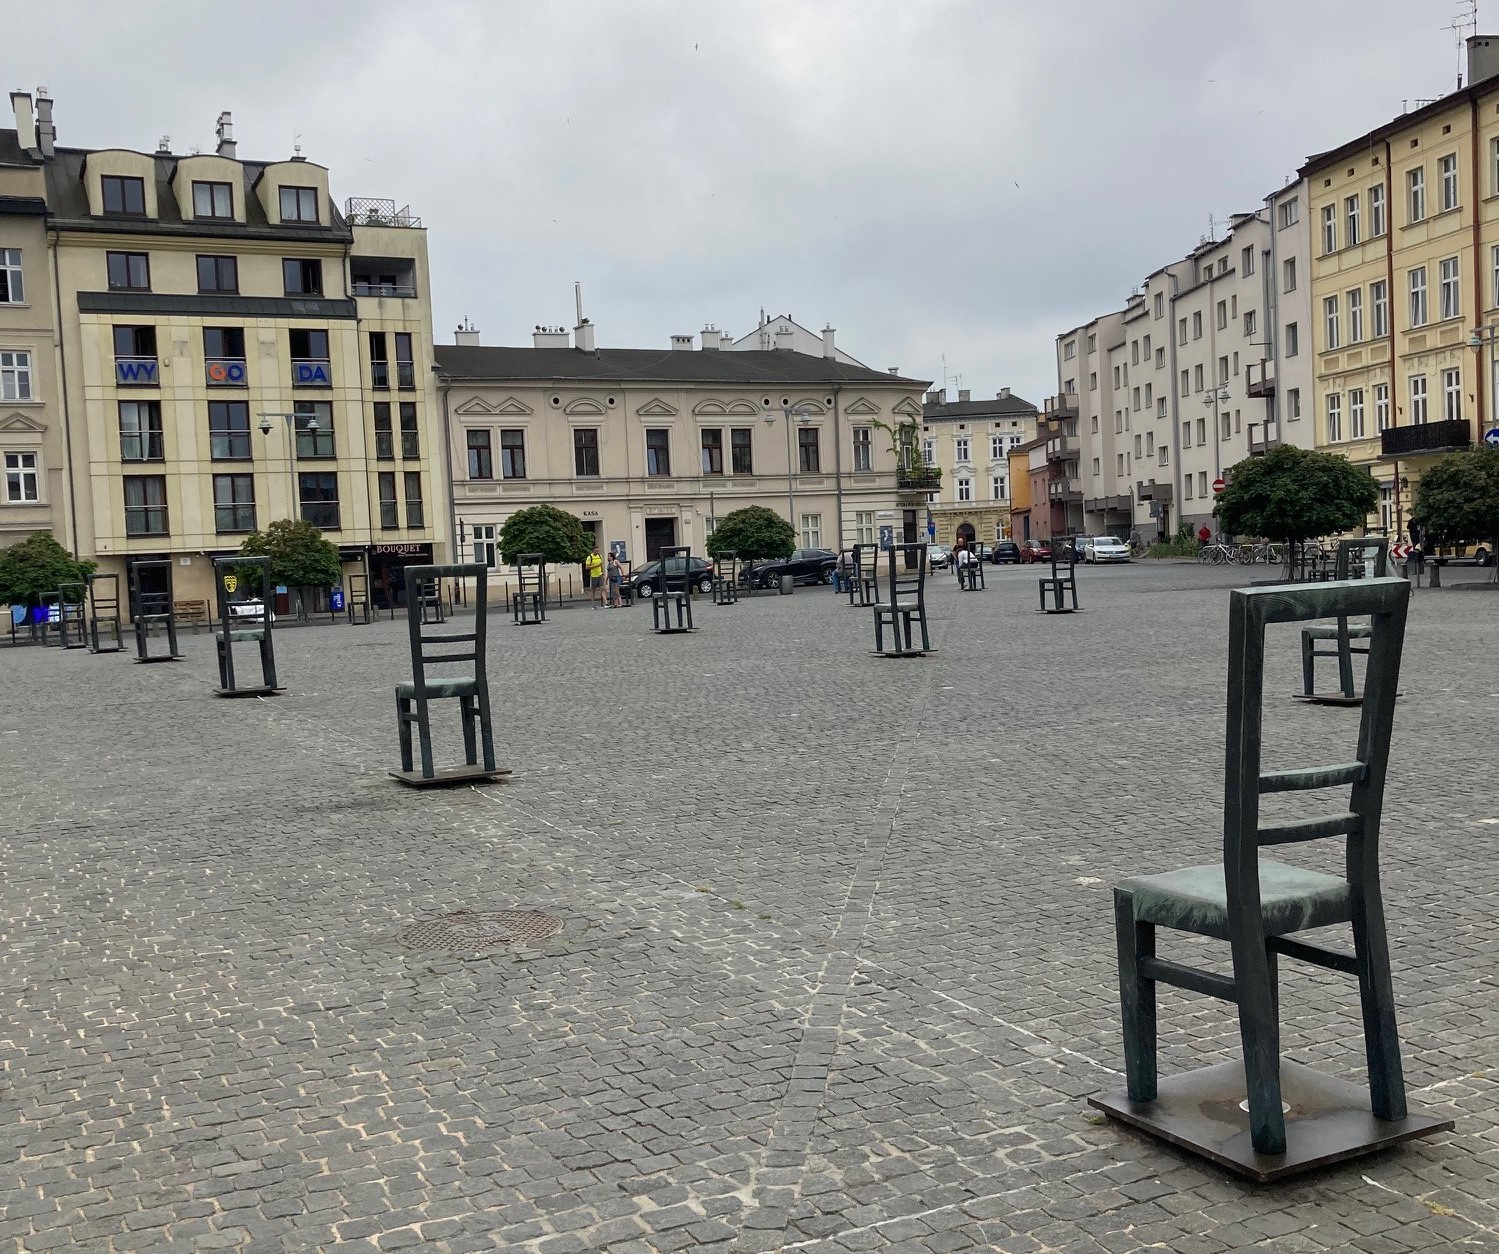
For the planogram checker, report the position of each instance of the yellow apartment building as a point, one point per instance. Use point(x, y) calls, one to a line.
point(1404, 270)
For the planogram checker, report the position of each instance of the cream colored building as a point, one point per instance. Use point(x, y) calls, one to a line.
point(236, 349)
point(1405, 225)
point(970, 442)
point(649, 448)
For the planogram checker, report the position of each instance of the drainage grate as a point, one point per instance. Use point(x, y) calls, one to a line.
point(467, 932)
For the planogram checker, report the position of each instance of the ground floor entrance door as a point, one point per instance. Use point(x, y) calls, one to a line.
point(660, 533)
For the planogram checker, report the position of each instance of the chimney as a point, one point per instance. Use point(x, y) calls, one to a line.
point(827, 342)
point(1483, 58)
point(551, 337)
point(46, 133)
point(20, 101)
point(467, 335)
point(964, 394)
point(785, 339)
point(710, 339)
point(725, 341)
point(681, 343)
point(1003, 394)
point(937, 396)
point(583, 337)
point(226, 135)
point(895, 370)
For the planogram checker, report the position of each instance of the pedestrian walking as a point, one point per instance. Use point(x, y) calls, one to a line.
point(616, 582)
point(593, 577)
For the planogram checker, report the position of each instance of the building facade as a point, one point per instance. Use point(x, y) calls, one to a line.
point(970, 442)
point(234, 349)
point(649, 449)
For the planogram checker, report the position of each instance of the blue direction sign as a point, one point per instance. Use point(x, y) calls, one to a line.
point(1491, 437)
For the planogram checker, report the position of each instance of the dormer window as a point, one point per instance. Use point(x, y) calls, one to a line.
point(299, 204)
point(213, 200)
point(124, 195)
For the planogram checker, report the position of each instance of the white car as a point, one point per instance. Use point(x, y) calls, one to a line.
point(1106, 549)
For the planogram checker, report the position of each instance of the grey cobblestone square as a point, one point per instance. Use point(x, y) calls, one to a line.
point(836, 970)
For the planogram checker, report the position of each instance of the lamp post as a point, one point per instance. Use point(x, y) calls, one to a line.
point(803, 416)
point(291, 447)
point(1489, 334)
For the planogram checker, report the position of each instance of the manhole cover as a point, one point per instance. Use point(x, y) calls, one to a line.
point(466, 931)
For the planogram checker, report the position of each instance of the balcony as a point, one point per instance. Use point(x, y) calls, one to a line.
point(379, 287)
point(1064, 489)
point(1063, 406)
point(1426, 437)
point(311, 372)
point(1109, 505)
point(1062, 448)
point(1162, 492)
point(375, 211)
point(918, 479)
point(1262, 438)
point(136, 372)
point(1259, 379)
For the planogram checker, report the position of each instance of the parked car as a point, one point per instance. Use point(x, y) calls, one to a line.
point(1107, 549)
point(804, 566)
point(938, 556)
point(645, 579)
point(1035, 551)
point(1004, 551)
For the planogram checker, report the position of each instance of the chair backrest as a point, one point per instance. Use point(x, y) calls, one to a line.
point(1250, 612)
point(907, 569)
point(104, 594)
point(251, 614)
point(1355, 558)
point(531, 572)
point(726, 565)
point(158, 601)
point(437, 647)
point(676, 575)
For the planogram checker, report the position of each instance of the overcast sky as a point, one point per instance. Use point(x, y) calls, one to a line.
point(958, 177)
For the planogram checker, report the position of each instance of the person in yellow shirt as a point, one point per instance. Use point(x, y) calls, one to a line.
point(593, 577)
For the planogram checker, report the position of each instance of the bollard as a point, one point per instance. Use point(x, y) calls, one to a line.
point(786, 585)
point(1436, 575)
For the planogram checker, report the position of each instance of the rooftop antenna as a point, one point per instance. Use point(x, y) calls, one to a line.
point(1212, 229)
point(1463, 25)
point(578, 300)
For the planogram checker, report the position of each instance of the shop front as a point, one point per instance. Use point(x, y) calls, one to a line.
point(387, 565)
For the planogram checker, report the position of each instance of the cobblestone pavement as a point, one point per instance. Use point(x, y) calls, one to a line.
point(836, 971)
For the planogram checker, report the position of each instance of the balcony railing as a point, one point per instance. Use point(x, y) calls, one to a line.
point(374, 211)
point(1061, 448)
point(1108, 504)
point(918, 479)
point(1426, 437)
point(403, 290)
point(311, 372)
point(1061, 406)
point(1259, 379)
point(1064, 489)
point(1162, 492)
point(136, 372)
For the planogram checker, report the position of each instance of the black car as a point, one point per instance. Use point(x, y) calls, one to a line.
point(1005, 551)
point(645, 579)
point(804, 566)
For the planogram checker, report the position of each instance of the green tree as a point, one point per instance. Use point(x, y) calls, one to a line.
point(300, 557)
point(36, 567)
point(1294, 494)
point(1458, 498)
point(755, 533)
point(558, 536)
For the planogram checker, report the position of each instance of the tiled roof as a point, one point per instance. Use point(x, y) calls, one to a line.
point(648, 365)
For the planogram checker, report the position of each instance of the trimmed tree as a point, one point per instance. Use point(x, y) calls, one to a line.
point(558, 536)
point(300, 557)
point(36, 567)
point(1458, 499)
point(1294, 495)
point(754, 533)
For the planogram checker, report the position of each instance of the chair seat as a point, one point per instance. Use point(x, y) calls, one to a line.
point(887, 606)
point(459, 686)
point(257, 633)
point(1195, 899)
point(1356, 631)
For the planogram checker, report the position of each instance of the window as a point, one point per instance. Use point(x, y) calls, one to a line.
point(1163, 456)
point(1222, 314)
point(484, 543)
point(1158, 307)
point(741, 449)
point(1093, 381)
point(1381, 406)
point(299, 204)
point(1355, 413)
point(1093, 340)
point(390, 518)
point(128, 272)
point(302, 276)
point(864, 448)
point(1246, 260)
point(411, 444)
point(1293, 404)
point(657, 451)
point(586, 452)
point(960, 446)
point(12, 284)
point(808, 451)
point(1134, 352)
point(1202, 431)
point(1418, 296)
point(1069, 350)
point(1251, 322)
point(1135, 400)
point(1197, 325)
point(1451, 296)
point(385, 440)
point(811, 531)
point(233, 503)
point(1187, 434)
point(1197, 377)
point(1452, 395)
point(1329, 228)
point(308, 345)
point(225, 344)
point(1185, 385)
point(1181, 331)
point(1494, 301)
point(229, 431)
point(1356, 315)
point(999, 488)
point(416, 515)
point(1494, 167)
point(512, 454)
point(480, 452)
point(997, 443)
point(1376, 211)
point(1116, 376)
point(15, 375)
point(135, 344)
point(1334, 417)
point(218, 274)
point(379, 362)
point(1415, 186)
point(965, 489)
point(140, 432)
point(1351, 220)
point(1386, 507)
point(929, 452)
point(1288, 274)
point(1418, 399)
point(864, 527)
point(1188, 486)
point(1379, 308)
point(1150, 444)
point(213, 200)
point(1160, 408)
point(1447, 172)
point(1119, 467)
point(21, 478)
point(124, 195)
point(1330, 322)
point(405, 363)
point(1148, 389)
point(1160, 359)
point(1290, 213)
point(146, 505)
point(712, 440)
point(318, 493)
point(314, 423)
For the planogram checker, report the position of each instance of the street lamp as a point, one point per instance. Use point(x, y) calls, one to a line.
point(1490, 334)
point(803, 416)
point(291, 446)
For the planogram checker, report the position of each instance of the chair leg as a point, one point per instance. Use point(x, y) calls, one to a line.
point(879, 633)
point(1345, 660)
point(424, 733)
point(469, 714)
point(1259, 1033)
point(1377, 997)
point(486, 730)
point(1136, 998)
point(1308, 665)
point(403, 730)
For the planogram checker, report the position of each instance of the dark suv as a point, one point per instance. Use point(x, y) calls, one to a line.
point(1004, 551)
point(645, 579)
point(804, 566)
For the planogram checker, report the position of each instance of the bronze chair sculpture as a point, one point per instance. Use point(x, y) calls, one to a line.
point(1355, 559)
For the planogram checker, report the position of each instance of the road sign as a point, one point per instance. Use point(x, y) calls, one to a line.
point(231, 582)
point(1491, 437)
point(1219, 485)
point(1400, 551)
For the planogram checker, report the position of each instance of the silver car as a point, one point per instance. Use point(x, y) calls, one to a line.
point(1106, 549)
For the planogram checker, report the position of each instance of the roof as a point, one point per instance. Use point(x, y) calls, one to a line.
point(214, 306)
point(996, 407)
point(650, 365)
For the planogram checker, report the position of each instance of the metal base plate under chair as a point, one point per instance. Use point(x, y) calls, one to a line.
point(260, 690)
point(1329, 698)
point(446, 776)
point(1328, 1120)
